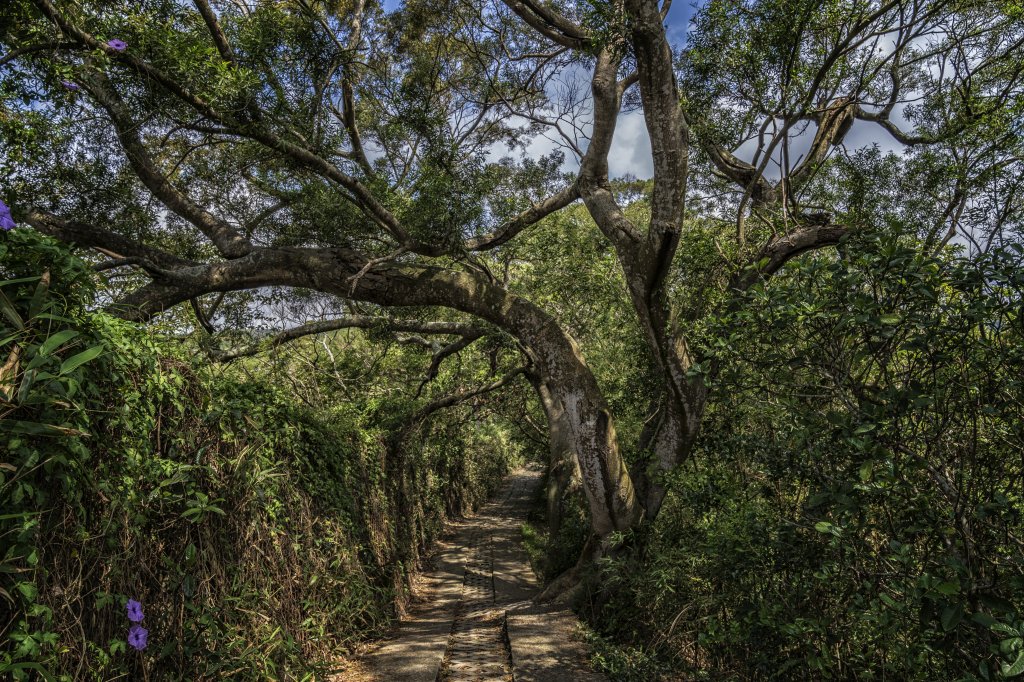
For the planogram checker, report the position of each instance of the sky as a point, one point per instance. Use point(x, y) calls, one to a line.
point(630, 153)
point(631, 147)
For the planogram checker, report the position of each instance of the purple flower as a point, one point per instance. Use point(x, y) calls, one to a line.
point(117, 45)
point(6, 220)
point(70, 85)
point(138, 637)
point(135, 614)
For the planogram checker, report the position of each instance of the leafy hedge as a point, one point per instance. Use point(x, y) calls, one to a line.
point(260, 536)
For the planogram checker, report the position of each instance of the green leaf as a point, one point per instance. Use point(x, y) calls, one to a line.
point(1015, 668)
point(1009, 646)
point(22, 515)
point(866, 469)
point(57, 340)
point(890, 319)
point(1004, 628)
point(35, 306)
point(28, 590)
point(54, 318)
point(951, 616)
point(76, 361)
point(824, 527)
point(27, 665)
point(997, 604)
point(38, 429)
point(10, 312)
point(983, 619)
point(947, 588)
point(20, 280)
point(865, 428)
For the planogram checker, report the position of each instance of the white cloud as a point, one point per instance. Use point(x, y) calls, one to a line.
point(630, 152)
point(631, 148)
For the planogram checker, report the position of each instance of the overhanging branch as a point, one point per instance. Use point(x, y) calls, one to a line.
point(352, 322)
point(530, 216)
point(462, 396)
point(447, 351)
point(111, 243)
point(780, 250)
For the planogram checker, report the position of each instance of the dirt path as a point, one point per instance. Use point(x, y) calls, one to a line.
point(475, 620)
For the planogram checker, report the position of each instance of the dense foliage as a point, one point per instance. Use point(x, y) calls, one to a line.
point(261, 534)
point(855, 511)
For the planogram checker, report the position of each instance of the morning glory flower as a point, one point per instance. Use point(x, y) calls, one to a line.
point(117, 45)
point(138, 637)
point(6, 220)
point(135, 614)
point(70, 85)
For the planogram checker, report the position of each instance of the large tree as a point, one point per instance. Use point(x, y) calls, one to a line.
point(209, 148)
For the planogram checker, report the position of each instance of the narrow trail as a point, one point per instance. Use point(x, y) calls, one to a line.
point(475, 620)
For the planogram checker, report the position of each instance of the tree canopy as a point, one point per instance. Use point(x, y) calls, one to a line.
point(368, 168)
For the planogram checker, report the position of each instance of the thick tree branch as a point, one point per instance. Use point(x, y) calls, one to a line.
point(834, 122)
point(782, 249)
point(549, 23)
point(352, 322)
point(111, 243)
point(739, 171)
point(593, 178)
point(665, 125)
point(219, 39)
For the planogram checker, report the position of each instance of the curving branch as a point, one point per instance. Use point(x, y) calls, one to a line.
point(882, 119)
point(107, 242)
point(783, 248)
point(462, 396)
point(353, 322)
point(530, 216)
point(739, 171)
point(549, 23)
point(228, 241)
point(441, 355)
